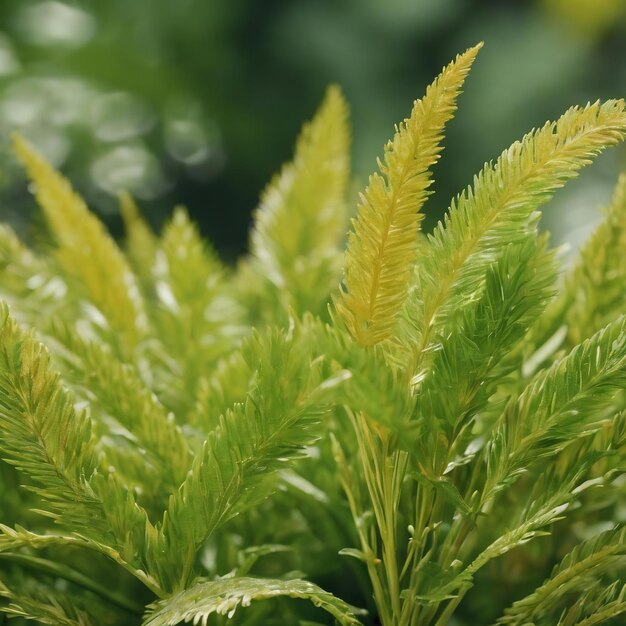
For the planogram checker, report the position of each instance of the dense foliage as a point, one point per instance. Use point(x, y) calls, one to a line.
point(429, 428)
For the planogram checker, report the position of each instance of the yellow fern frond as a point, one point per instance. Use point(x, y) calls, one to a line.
point(382, 244)
point(85, 250)
point(141, 244)
point(301, 219)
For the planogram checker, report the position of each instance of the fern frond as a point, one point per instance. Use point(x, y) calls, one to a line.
point(45, 606)
point(40, 432)
point(593, 291)
point(227, 385)
point(559, 405)
point(278, 418)
point(121, 401)
point(468, 361)
point(44, 436)
point(499, 209)
point(300, 222)
point(598, 605)
point(29, 279)
point(141, 243)
point(382, 243)
point(196, 320)
point(225, 596)
point(584, 565)
point(86, 251)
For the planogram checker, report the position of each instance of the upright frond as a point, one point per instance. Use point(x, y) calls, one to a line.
point(469, 359)
point(252, 440)
point(44, 436)
point(382, 243)
point(86, 251)
point(196, 320)
point(593, 292)
point(301, 219)
point(141, 243)
point(501, 208)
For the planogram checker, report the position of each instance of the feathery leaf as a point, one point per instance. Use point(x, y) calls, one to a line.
point(300, 222)
point(499, 209)
point(86, 251)
point(381, 246)
point(224, 596)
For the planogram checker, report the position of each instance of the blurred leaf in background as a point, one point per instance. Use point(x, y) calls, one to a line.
point(198, 102)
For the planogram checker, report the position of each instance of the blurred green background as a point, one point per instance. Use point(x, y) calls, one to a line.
point(198, 102)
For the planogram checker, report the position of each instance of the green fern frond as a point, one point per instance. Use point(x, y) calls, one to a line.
point(559, 405)
point(501, 208)
point(584, 565)
point(141, 243)
point(31, 282)
point(225, 596)
point(300, 223)
point(44, 436)
point(279, 417)
point(599, 605)
point(227, 385)
point(382, 243)
point(120, 401)
point(593, 291)
point(40, 432)
point(86, 251)
point(196, 321)
point(47, 606)
point(469, 359)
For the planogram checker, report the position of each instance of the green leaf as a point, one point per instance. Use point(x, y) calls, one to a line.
point(382, 243)
point(280, 416)
point(559, 405)
point(301, 220)
point(225, 596)
point(87, 252)
point(584, 565)
point(499, 209)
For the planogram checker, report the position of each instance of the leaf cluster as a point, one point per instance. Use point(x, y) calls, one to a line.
point(426, 427)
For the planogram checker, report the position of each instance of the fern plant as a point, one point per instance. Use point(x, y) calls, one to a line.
point(416, 430)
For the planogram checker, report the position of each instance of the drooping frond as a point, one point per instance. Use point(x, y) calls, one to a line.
point(278, 418)
point(301, 219)
point(382, 243)
point(583, 566)
point(499, 209)
point(196, 320)
point(225, 596)
point(559, 405)
point(141, 243)
point(86, 251)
